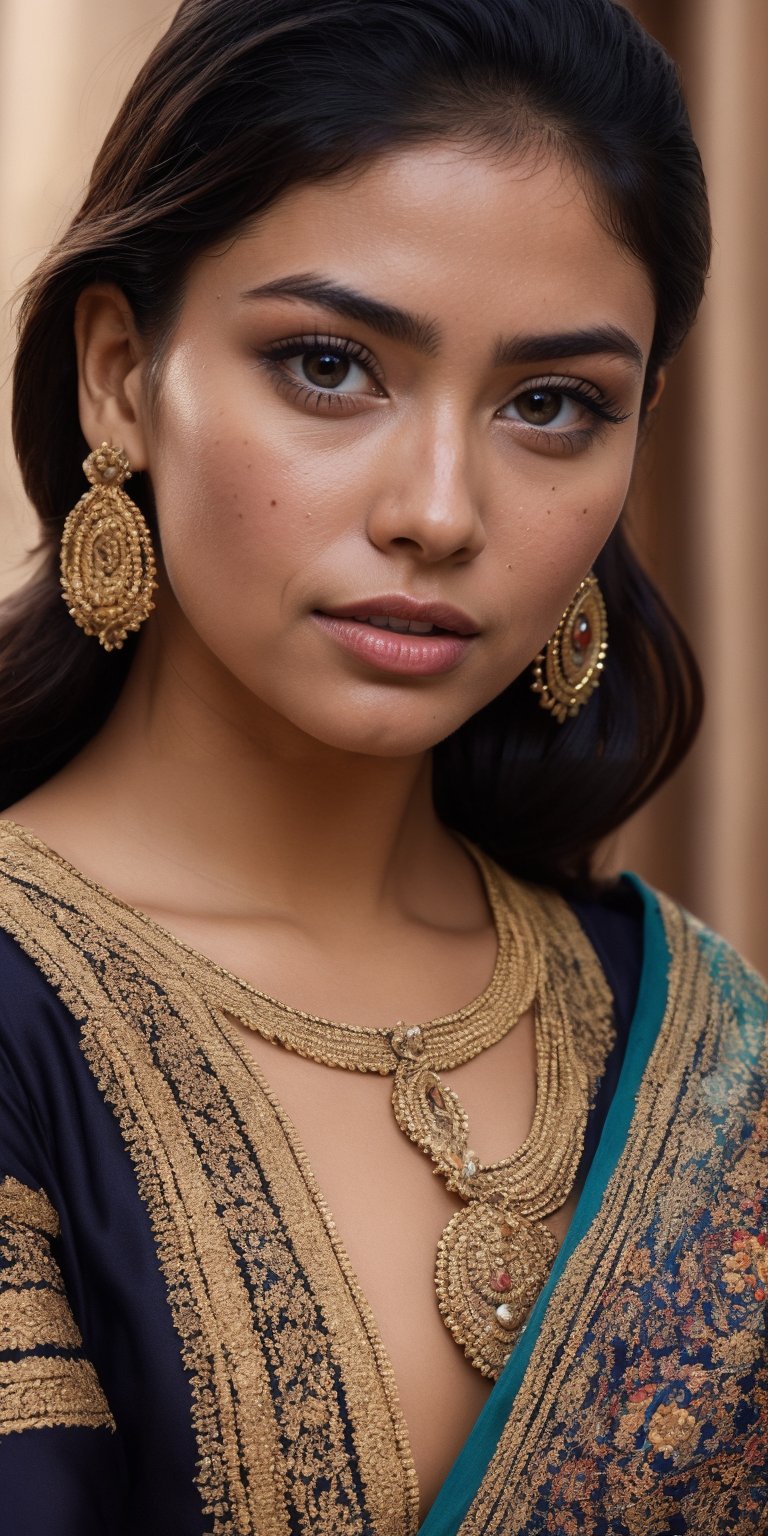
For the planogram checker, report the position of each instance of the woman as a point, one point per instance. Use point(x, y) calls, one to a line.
point(365, 310)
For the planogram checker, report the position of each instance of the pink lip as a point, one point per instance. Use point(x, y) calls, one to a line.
point(401, 607)
point(411, 655)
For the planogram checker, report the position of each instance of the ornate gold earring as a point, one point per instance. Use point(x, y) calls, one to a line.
point(567, 672)
point(107, 561)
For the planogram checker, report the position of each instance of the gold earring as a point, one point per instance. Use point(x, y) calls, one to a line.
point(567, 672)
point(107, 561)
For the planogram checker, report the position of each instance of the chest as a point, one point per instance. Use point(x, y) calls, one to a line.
point(296, 1226)
point(336, 1146)
point(389, 1212)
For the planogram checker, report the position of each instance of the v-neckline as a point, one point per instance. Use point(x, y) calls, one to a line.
point(459, 1476)
point(464, 1479)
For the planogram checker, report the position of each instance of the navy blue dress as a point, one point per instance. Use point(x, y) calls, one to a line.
point(100, 1411)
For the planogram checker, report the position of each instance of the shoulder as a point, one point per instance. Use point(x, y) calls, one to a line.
point(37, 1027)
point(27, 958)
point(697, 952)
point(634, 924)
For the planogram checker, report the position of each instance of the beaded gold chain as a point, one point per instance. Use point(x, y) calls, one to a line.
point(495, 1254)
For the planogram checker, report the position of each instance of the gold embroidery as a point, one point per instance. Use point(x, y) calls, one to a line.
point(43, 1391)
point(747, 1265)
point(671, 1429)
point(236, 1435)
point(39, 1390)
point(287, 1366)
point(32, 1317)
point(29, 1207)
point(614, 1283)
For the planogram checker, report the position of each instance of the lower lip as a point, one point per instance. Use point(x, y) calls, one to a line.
point(413, 655)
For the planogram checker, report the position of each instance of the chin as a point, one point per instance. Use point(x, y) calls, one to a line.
point(382, 733)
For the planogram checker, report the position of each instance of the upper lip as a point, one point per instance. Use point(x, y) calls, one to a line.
point(398, 606)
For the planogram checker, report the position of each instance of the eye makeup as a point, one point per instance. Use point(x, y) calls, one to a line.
point(539, 394)
point(275, 357)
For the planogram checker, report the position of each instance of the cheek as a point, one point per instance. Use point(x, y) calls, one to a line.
point(546, 542)
point(232, 521)
point(239, 498)
point(573, 533)
point(219, 533)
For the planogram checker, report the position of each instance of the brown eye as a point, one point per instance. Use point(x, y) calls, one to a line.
point(325, 370)
point(539, 407)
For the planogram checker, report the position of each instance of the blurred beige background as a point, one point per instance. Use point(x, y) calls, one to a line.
point(700, 509)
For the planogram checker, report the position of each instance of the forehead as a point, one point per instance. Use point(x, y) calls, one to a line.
point(470, 238)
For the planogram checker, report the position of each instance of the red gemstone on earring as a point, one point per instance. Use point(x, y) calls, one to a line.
point(581, 634)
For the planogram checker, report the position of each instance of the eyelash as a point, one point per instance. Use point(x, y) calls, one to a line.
point(602, 407)
point(604, 410)
point(293, 346)
point(586, 394)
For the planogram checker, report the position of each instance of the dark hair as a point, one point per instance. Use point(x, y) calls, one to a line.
point(242, 99)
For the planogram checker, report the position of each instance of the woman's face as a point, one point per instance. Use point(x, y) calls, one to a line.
point(418, 386)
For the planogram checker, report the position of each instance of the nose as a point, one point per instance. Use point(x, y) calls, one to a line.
point(429, 500)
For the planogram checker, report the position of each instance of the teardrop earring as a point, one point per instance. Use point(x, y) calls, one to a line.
point(107, 560)
point(567, 672)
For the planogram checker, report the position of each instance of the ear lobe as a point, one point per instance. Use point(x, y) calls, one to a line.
point(110, 362)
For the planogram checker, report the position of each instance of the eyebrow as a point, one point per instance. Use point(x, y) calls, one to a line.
point(598, 340)
point(400, 325)
point(424, 335)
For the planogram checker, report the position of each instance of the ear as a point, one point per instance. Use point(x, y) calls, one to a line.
point(110, 365)
point(659, 385)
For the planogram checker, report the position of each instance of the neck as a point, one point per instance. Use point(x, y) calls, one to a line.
point(243, 812)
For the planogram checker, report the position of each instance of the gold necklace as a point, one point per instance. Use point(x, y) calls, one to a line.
point(495, 1254)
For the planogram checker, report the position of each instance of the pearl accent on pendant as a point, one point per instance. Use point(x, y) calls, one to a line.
point(505, 1316)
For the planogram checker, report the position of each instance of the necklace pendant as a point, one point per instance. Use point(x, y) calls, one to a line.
point(491, 1266)
point(432, 1115)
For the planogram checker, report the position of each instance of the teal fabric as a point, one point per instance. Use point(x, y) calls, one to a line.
point(466, 1475)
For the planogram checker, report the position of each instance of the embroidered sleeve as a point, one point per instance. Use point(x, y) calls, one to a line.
point(45, 1377)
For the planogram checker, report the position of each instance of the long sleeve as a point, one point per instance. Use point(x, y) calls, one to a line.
point(59, 1456)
